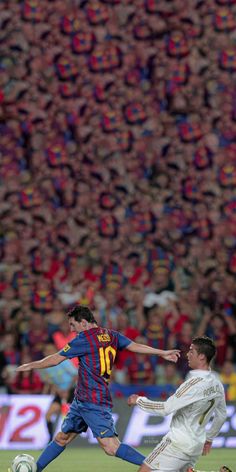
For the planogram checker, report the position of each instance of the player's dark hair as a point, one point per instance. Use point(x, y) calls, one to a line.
point(206, 346)
point(81, 312)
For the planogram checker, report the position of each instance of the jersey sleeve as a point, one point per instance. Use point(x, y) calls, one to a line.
point(219, 418)
point(185, 395)
point(123, 341)
point(74, 348)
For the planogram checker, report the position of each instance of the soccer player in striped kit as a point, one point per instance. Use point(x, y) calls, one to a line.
point(192, 406)
point(96, 349)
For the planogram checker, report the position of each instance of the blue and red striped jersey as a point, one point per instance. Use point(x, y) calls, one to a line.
point(96, 350)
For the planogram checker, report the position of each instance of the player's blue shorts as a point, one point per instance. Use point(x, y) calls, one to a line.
point(83, 415)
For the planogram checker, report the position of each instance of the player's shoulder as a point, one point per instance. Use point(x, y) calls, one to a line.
point(214, 379)
point(206, 383)
point(217, 380)
point(73, 342)
point(189, 385)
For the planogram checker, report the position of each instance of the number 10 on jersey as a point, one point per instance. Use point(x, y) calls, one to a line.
point(107, 356)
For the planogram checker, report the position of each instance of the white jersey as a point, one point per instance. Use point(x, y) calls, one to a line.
point(192, 406)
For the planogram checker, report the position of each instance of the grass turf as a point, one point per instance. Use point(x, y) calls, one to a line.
point(90, 459)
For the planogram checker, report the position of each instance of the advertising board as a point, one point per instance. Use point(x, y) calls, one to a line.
point(23, 426)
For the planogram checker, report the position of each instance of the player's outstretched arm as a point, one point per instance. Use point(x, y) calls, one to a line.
point(171, 355)
point(48, 361)
point(175, 402)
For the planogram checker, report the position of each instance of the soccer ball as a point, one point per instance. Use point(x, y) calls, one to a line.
point(23, 463)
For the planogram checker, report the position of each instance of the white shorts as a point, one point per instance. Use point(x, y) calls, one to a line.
point(168, 458)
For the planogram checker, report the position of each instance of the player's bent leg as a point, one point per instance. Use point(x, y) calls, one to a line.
point(101, 422)
point(166, 457)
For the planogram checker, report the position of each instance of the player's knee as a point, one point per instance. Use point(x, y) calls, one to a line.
point(62, 439)
point(110, 449)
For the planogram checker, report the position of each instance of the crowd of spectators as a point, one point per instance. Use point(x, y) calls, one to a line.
point(118, 176)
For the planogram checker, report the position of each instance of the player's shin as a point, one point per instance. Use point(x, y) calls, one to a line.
point(129, 454)
point(52, 451)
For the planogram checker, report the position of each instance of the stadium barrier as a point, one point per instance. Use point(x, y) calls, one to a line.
point(23, 426)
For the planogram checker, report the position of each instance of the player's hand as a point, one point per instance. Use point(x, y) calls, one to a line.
point(24, 368)
point(172, 355)
point(206, 448)
point(132, 399)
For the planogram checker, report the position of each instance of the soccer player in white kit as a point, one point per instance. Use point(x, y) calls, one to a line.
point(192, 405)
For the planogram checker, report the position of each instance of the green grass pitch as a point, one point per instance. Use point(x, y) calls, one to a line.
point(94, 459)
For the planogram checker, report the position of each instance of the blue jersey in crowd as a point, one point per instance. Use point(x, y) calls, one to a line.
point(96, 349)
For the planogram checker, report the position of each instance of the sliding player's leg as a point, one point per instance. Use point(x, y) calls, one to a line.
point(165, 457)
